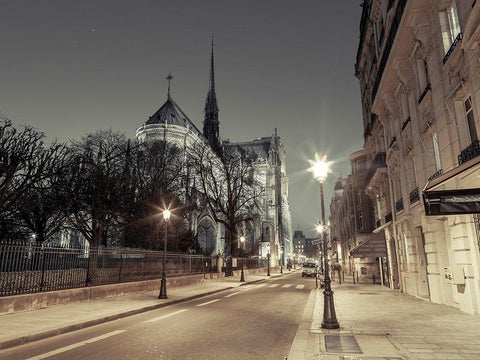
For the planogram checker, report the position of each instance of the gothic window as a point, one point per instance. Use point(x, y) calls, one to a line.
point(449, 25)
point(470, 119)
point(206, 236)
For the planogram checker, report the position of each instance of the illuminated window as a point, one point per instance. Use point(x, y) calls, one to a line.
point(449, 25)
point(470, 119)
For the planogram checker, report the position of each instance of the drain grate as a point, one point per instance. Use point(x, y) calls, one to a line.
point(367, 293)
point(342, 344)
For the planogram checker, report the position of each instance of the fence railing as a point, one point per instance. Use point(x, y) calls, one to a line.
point(28, 268)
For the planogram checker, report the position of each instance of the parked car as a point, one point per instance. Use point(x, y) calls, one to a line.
point(309, 269)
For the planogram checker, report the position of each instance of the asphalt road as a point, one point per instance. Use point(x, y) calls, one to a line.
point(255, 321)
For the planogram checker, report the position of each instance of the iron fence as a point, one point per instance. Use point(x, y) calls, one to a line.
point(26, 268)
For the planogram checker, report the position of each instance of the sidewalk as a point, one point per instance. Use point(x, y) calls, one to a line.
point(380, 323)
point(22, 327)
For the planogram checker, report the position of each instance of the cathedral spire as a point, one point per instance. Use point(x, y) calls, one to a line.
point(169, 78)
point(210, 123)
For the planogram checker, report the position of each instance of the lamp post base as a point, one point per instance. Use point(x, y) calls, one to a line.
point(163, 287)
point(329, 317)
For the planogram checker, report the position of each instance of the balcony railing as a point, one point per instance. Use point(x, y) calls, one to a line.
point(399, 204)
point(434, 176)
point(414, 196)
point(405, 123)
point(388, 218)
point(388, 45)
point(471, 151)
point(424, 93)
point(452, 47)
point(377, 162)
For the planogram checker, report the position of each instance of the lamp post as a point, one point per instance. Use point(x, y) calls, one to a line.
point(320, 170)
point(242, 276)
point(268, 259)
point(281, 260)
point(163, 284)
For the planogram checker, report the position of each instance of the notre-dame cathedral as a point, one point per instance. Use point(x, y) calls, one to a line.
point(271, 228)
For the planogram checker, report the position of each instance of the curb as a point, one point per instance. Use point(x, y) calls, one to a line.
point(46, 334)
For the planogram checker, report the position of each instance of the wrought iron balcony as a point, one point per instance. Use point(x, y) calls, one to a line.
point(405, 123)
point(471, 151)
point(424, 93)
point(414, 196)
point(377, 162)
point(388, 46)
point(434, 176)
point(388, 218)
point(399, 204)
point(452, 47)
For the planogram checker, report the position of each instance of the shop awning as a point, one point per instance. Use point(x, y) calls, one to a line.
point(454, 192)
point(374, 246)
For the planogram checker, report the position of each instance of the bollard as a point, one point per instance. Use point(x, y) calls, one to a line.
point(353, 275)
point(373, 277)
point(358, 281)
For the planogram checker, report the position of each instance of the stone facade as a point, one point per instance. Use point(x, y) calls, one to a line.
point(351, 220)
point(418, 65)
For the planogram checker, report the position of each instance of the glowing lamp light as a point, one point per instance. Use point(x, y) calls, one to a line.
point(320, 228)
point(166, 214)
point(320, 167)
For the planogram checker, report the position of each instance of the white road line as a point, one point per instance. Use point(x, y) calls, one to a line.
point(77, 345)
point(208, 302)
point(273, 285)
point(300, 287)
point(166, 316)
point(286, 285)
point(232, 294)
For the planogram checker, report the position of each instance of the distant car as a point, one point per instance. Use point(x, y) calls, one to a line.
point(309, 269)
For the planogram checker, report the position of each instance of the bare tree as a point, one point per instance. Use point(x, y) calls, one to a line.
point(95, 190)
point(24, 162)
point(40, 208)
point(228, 188)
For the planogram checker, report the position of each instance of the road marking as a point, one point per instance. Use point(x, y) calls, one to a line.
point(286, 285)
point(208, 302)
point(232, 294)
point(246, 287)
point(273, 285)
point(300, 287)
point(77, 345)
point(166, 316)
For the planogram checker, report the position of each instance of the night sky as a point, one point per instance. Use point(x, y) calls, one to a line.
point(70, 67)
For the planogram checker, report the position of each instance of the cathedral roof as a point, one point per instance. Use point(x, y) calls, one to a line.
point(171, 114)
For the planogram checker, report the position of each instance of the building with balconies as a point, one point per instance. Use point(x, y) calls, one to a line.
point(418, 65)
point(351, 222)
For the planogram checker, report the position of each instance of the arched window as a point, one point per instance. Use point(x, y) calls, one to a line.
point(206, 236)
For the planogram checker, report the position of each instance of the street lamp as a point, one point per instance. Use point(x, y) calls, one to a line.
point(242, 276)
point(268, 259)
point(320, 170)
point(163, 284)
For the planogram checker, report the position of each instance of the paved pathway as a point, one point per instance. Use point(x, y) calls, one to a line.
point(379, 323)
